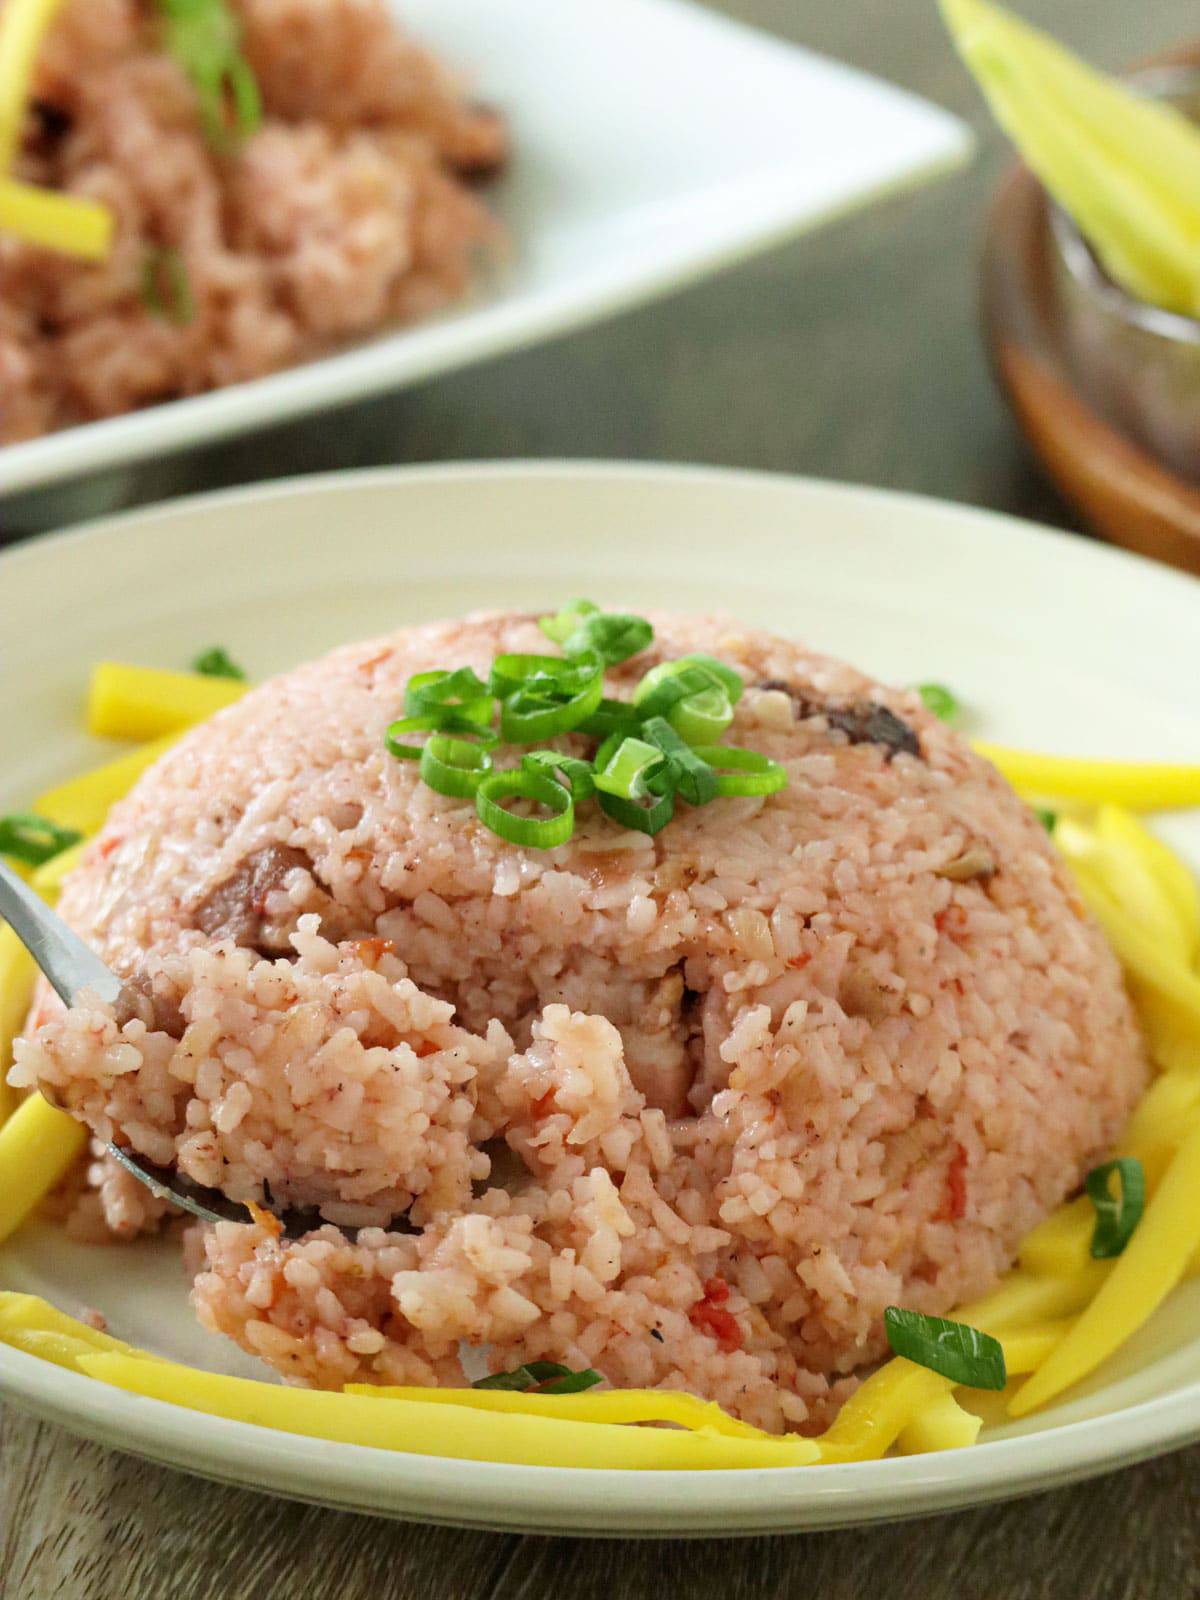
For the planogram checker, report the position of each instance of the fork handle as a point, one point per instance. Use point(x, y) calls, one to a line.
point(65, 960)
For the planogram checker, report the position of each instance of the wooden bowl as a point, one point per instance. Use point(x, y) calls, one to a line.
point(1103, 462)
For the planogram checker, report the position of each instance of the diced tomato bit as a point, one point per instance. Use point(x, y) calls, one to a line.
point(372, 951)
point(797, 962)
point(951, 920)
point(109, 845)
point(542, 1106)
point(265, 1220)
point(710, 1316)
point(954, 1206)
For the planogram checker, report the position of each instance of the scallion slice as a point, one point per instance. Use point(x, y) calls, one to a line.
point(1116, 1215)
point(542, 1377)
point(690, 697)
point(940, 700)
point(205, 38)
point(624, 766)
point(954, 1349)
point(579, 775)
point(539, 833)
point(218, 663)
point(609, 717)
point(742, 772)
point(166, 290)
point(461, 691)
point(564, 622)
point(694, 779)
point(552, 676)
point(32, 839)
point(443, 721)
point(731, 680)
point(1047, 818)
point(529, 716)
point(646, 817)
point(453, 766)
point(614, 636)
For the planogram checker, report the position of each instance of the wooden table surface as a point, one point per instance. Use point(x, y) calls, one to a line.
point(851, 355)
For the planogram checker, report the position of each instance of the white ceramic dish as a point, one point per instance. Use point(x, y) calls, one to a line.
point(654, 140)
point(910, 588)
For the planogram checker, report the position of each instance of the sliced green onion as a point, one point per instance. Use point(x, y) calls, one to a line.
point(648, 818)
point(461, 691)
point(527, 716)
point(564, 622)
point(217, 663)
point(166, 291)
point(547, 675)
point(32, 839)
point(444, 721)
point(741, 772)
point(453, 766)
point(694, 779)
point(579, 775)
point(729, 678)
point(1047, 818)
point(624, 766)
point(540, 833)
point(609, 717)
point(205, 38)
point(690, 697)
point(940, 700)
point(1116, 1216)
point(954, 1349)
point(542, 1377)
point(614, 636)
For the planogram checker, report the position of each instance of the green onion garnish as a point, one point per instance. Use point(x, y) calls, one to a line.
point(957, 1351)
point(454, 766)
point(32, 839)
point(612, 636)
point(205, 38)
point(579, 774)
point(217, 663)
point(430, 693)
point(563, 623)
point(542, 1377)
point(741, 772)
point(1116, 1216)
point(692, 776)
point(541, 833)
point(1047, 818)
point(444, 721)
point(660, 744)
point(166, 291)
point(940, 700)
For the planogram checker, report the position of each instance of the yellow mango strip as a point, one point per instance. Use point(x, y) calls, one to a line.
point(1144, 236)
point(27, 1322)
point(608, 1406)
point(68, 224)
point(1173, 876)
point(943, 1425)
point(1136, 785)
point(23, 25)
point(1153, 135)
point(17, 974)
point(454, 1431)
point(1024, 1300)
point(37, 1145)
point(1138, 952)
point(83, 802)
point(48, 878)
point(1130, 883)
point(1171, 1034)
point(1150, 1266)
point(126, 702)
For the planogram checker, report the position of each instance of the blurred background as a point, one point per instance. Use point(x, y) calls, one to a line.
point(853, 353)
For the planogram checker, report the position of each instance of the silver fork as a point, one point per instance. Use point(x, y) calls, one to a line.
point(70, 966)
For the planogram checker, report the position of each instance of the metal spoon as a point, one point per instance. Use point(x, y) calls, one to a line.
point(69, 967)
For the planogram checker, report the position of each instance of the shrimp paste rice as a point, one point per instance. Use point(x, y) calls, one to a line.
point(350, 207)
point(690, 1109)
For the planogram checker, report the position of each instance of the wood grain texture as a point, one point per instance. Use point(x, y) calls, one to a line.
point(852, 355)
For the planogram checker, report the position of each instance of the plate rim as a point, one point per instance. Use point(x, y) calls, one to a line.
point(485, 1494)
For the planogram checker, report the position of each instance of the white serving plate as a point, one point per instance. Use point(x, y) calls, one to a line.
point(654, 141)
point(1055, 642)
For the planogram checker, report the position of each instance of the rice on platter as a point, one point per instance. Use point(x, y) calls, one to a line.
point(691, 1108)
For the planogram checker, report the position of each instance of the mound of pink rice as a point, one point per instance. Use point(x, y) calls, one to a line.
point(348, 210)
point(692, 1110)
